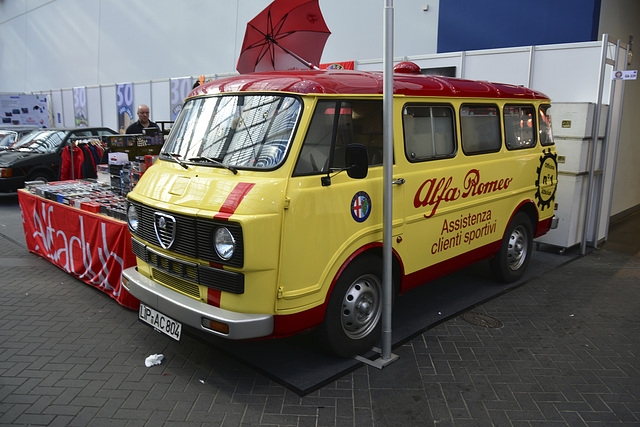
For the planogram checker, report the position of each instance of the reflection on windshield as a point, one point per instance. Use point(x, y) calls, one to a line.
point(243, 131)
point(7, 138)
point(40, 142)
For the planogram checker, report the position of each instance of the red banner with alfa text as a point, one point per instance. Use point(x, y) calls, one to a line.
point(91, 247)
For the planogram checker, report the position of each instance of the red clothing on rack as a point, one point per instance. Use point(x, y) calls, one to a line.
point(65, 167)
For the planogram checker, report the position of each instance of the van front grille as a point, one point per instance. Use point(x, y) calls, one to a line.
point(177, 271)
point(182, 286)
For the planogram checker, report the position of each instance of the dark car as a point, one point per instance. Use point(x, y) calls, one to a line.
point(38, 155)
point(10, 134)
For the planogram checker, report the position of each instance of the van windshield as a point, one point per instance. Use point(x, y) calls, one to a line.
point(237, 131)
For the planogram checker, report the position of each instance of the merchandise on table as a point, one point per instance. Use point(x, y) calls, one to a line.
point(103, 173)
point(95, 197)
point(124, 175)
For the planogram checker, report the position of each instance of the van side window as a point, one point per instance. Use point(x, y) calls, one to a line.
point(519, 126)
point(480, 125)
point(546, 134)
point(334, 125)
point(429, 132)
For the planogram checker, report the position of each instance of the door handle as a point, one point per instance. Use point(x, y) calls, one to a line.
point(399, 181)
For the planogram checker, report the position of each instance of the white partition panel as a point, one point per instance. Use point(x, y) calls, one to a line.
point(94, 106)
point(109, 106)
point(161, 100)
point(503, 65)
point(68, 116)
point(55, 104)
point(568, 73)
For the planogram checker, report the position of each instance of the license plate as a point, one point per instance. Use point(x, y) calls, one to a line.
point(160, 322)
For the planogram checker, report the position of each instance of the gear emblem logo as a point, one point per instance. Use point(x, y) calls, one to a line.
point(547, 181)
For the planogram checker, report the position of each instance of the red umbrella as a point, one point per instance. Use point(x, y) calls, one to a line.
point(288, 34)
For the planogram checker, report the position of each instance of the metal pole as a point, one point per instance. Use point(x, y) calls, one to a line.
point(592, 148)
point(617, 141)
point(532, 50)
point(604, 152)
point(101, 108)
point(62, 107)
point(387, 215)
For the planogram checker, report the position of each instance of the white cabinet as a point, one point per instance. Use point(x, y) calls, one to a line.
point(572, 128)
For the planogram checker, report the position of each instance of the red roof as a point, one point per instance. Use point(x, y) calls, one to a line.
point(351, 82)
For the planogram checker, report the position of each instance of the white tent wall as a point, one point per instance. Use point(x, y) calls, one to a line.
point(84, 43)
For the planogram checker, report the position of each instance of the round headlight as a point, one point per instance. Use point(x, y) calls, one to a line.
point(132, 218)
point(224, 243)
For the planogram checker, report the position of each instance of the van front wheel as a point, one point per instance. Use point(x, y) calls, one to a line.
point(352, 321)
point(510, 263)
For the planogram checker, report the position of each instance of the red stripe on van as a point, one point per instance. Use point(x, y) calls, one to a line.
point(233, 200)
point(213, 297)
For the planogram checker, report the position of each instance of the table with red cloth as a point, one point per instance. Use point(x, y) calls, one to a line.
point(89, 246)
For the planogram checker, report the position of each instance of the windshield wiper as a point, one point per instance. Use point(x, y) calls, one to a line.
point(214, 161)
point(176, 157)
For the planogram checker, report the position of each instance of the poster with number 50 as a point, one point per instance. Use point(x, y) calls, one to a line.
point(124, 96)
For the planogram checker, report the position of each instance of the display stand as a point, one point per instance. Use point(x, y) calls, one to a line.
point(91, 247)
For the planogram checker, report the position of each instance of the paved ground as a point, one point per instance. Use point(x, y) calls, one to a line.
point(568, 353)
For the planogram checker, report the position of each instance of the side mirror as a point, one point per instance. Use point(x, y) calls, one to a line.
point(357, 161)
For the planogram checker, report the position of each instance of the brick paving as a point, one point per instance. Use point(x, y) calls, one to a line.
point(568, 353)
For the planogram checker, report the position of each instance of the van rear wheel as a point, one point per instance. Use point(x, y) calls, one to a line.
point(352, 321)
point(510, 263)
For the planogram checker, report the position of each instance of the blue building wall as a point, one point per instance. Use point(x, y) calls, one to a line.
point(488, 24)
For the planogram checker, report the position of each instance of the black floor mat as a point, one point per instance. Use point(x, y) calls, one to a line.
point(301, 365)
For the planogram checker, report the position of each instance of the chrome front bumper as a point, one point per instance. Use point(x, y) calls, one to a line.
point(191, 312)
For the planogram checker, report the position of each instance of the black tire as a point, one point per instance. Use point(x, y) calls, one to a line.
point(352, 322)
point(39, 176)
point(510, 263)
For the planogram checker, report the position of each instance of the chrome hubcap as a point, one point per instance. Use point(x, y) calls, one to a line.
point(361, 306)
point(517, 250)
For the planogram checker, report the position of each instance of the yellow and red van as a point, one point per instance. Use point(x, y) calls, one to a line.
point(263, 215)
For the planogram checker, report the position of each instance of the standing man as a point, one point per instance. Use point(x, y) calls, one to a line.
point(143, 121)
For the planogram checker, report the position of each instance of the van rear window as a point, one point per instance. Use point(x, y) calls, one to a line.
point(519, 126)
point(546, 135)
